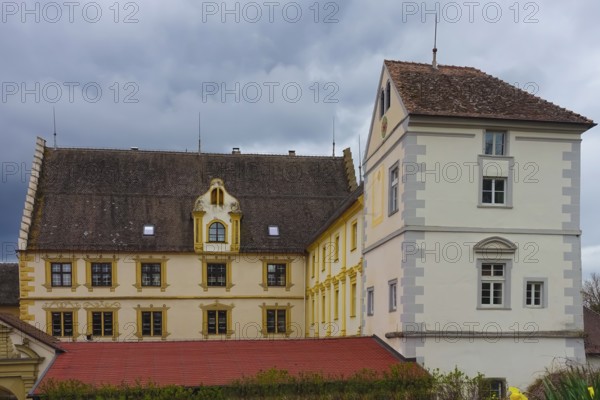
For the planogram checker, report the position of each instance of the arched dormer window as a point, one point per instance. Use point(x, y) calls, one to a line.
point(216, 232)
point(216, 197)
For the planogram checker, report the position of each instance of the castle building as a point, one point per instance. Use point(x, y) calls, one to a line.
point(461, 248)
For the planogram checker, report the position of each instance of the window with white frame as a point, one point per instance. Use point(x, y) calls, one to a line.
point(370, 301)
point(496, 388)
point(495, 143)
point(393, 295)
point(493, 191)
point(493, 279)
point(534, 294)
point(393, 200)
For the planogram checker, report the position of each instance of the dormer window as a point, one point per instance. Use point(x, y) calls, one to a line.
point(148, 230)
point(216, 197)
point(216, 232)
point(273, 230)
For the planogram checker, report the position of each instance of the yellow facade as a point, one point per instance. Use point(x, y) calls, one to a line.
point(215, 292)
point(334, 277)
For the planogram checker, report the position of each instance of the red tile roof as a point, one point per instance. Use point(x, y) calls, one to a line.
point(213, 363)
point(470, 93)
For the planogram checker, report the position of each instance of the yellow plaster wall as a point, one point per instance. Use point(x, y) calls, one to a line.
point(182, 297)
point(336, 274)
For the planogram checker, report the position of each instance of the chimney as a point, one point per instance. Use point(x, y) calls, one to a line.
point(236, 150)
point(292, 152)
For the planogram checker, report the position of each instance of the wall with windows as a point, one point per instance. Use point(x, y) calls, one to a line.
point(167, 296)
point(334, 277)
point(472, 226)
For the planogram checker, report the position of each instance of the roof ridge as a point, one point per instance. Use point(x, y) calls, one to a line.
point(191, 153)
point(439, 65)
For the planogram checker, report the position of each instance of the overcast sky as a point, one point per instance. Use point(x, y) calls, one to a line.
point(267, 76)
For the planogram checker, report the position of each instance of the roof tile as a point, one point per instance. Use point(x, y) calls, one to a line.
point(213, 363)
point(470, 93)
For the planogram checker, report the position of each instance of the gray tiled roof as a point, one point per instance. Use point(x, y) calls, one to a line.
point(9, 284)
point(99, 200)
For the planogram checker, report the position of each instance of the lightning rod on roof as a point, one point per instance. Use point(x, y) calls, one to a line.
point(199, 133)
point(54, 120)
point(359, 162)
point(434, 62)
point(333, 134)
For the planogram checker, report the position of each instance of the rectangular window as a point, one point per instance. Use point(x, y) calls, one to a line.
point(393, 293)
point(354, 236)
point(370, 301)
point(101, 274)
point(381, 103)
point(323, 307)
point(314, 262)
point(496, 389)
point(216, 274)
point(102, 323)
point(534, 292)
point(353, 300)
point(61, 274)
point(62, 324)
point(492, 285)
point(495, 143)
point(494, 191)
point(393, 200)
point(388, 95)
point(217, 322)
point(336, 304)
point(151, 274)
point(276, 275)
point(152, 323)
point(336, 248)
point(276, 321)
point(323, 257)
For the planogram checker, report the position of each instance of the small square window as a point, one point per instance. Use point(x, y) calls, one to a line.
point(495, 143)
point(273, 230)
point(494, 191)
point(534, 294)
point(148, 230)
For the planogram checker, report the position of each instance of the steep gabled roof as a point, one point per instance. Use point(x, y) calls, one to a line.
point(470, 93)
point(31, 331)
point(9, 284)
point(99, 200)
point(214, 363)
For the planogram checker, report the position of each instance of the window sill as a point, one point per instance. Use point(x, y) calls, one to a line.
point(494, 206)
point(390, 213)
point(494, 308)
